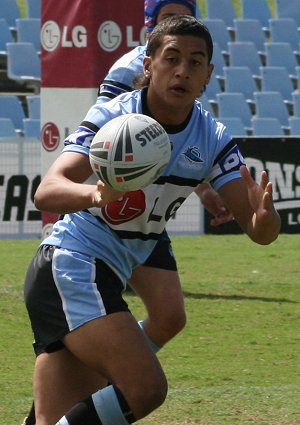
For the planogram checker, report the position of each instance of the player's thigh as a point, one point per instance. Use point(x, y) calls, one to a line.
point(160, 291)
point(60, 381)
point(114, 346)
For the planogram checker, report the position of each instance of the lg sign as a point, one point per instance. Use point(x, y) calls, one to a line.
point(109, 36)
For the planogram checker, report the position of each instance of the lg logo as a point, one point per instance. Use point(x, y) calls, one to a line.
point(109, 36)
point(52, 36)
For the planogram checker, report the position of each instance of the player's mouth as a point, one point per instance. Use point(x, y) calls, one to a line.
point(178, 89)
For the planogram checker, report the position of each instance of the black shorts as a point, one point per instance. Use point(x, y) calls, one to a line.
point(162, 255)
point(65, 289)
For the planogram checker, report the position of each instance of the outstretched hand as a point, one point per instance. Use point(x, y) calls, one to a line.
point(260, 195)
point(265, 220)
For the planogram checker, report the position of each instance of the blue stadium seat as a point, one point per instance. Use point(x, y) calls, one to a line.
point(281, 54)
point(33, 8)
point(9, 10)
point(257, 9)
point(285, 30)
point(28, 30)
point(271, 105)
point(294, 126)
point(7, 128)
point(296, 102)
point(5, 37)
point(234, 105)
point(31, 128)
point(234, 125)
point(244, 53)
point(206, 104)
point(240, 79)
point(221, 9)
point(213, 87)
point(34, 106)
point(219, 32)
point(288, 9)
point(276, 78)
point(267, 127)
point(250, 30)
point(11, 107)
point(218, 59)
point(23, 64)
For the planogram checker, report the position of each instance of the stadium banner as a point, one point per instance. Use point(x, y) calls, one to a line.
point(80, 41)
point(19, 177)
point(281, 158)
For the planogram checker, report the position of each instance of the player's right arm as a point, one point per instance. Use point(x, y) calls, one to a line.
point(63, 190)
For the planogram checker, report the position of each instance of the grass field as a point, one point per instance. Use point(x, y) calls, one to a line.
point(236, 362)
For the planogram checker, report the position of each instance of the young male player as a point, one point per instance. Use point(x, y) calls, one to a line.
point(74, 284)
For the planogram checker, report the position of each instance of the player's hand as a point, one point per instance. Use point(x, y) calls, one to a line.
point(260, 195)
point(213, 203)
point(105, 194)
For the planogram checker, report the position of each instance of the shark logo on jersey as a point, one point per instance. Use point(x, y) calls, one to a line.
point(193, 154)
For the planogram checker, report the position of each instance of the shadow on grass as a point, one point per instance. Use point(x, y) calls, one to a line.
point(237, 298)
point(228, 297)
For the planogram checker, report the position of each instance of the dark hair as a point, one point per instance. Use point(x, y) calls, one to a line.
point(179, 25)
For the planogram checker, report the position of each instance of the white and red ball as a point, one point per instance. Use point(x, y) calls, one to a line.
point(130, 152)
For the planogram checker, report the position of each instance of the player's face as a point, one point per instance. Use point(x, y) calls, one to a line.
point(171, 10)
point(177, 72)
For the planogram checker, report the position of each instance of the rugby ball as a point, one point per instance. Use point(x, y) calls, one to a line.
point(130, 152)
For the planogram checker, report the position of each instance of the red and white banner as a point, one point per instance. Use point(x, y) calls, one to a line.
point(81, 39)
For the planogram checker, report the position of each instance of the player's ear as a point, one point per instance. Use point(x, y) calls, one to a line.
point(147, 66)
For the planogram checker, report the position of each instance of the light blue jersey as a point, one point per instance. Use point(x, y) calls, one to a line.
point(120, 77)
point(123, 233)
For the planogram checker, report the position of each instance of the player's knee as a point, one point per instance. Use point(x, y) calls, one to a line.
point(153, 395)
point(175, 323)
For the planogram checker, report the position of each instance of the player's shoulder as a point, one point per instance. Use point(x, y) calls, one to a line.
point(135, 55)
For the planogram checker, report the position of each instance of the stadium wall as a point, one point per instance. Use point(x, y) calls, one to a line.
point(20, 174)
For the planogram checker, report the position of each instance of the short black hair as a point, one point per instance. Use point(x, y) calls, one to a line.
point(179, 25)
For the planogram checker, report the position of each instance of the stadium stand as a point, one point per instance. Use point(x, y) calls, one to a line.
point(256, 52)
point(240, 79)
point(257, 9)
point(23, 64)
point(33, 106)
point(28, 30)
point(288, 9)
point(34, 8)
point(234, 105)
point(285, 30)
point(219, 60)
point(276, 78)
point(244, 53)
point(31, 127)
point(281, 54)
point(250, 30)
point(11, 107)
point(7, 128)
point(234, 125)
point(219, 32)
point(271, 105)
point(10, 11)
point(294, 123)
point(221, 9)
point(267, 127)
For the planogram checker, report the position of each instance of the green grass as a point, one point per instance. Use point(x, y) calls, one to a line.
point(236, 362)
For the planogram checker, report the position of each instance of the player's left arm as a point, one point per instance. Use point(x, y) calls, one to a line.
point(252, 206)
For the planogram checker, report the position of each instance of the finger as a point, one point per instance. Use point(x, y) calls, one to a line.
point(247, 176)
point(264, 180)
